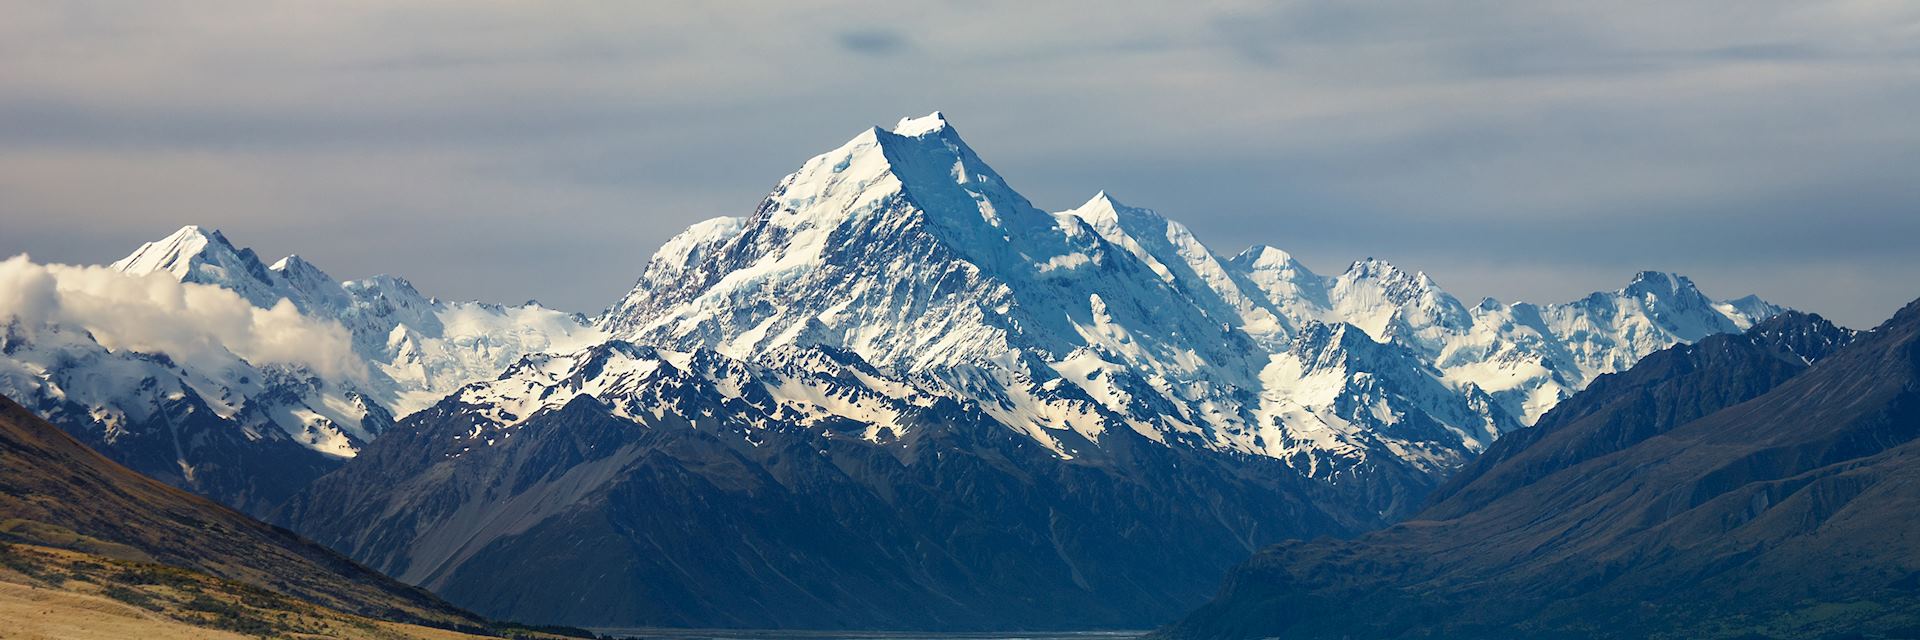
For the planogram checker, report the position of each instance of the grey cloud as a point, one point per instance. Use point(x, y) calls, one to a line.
point(1765, 51)
point(874, 42)
point(507, 151)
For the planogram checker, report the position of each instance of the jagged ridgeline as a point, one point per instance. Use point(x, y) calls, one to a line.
point(895, 395)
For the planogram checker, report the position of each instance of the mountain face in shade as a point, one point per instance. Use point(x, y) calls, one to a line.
point(56, 492)
point(806, 490)
point(1758, 485)
point(897, 388)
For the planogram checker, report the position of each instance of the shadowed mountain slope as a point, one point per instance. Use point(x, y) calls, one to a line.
point(683, 490)
point(1708, 492)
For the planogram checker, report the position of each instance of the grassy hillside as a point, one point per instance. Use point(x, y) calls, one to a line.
point(56, 593)
point(89, 548)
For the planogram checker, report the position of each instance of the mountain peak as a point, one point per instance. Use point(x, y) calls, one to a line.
point(385, 283)
point(294, 264)
point(197, 232)
point(1659, 283)
point(194, 231)
point(935, 122)
point(923, 162)
point(174, 253)
point(1372, 267)
point(1098, 211)
point(1806, 335)
point(1750, 309)
point(195, 254)
point(928, 135)
point(1675, 293)
point(305, 284)
point(1103, 208)
point(1262, 256)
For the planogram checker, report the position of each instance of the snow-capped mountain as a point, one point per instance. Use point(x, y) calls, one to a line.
point(1175, 255)
point(1528, 356)
point(898, 376)
point(905, 248)
point(121, 363)
point(1533, 356)
point(201, 414)
point(897, 369)
point(420, 348)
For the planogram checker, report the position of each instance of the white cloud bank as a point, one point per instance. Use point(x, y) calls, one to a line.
point(196, 325)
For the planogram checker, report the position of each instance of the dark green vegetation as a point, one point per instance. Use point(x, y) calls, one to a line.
point(1714, 491)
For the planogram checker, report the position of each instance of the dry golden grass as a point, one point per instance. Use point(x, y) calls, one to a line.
point(37, 613)
point(55, 492)
point(48, 593)
point(90, 549)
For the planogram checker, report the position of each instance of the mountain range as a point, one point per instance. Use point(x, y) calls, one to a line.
point(894, 389)
point(1746, 486)
point(243, 432)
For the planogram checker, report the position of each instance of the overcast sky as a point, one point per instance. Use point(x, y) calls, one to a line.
point(512, 150)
